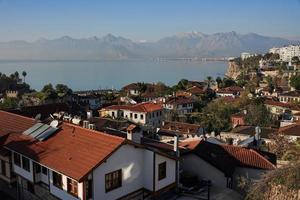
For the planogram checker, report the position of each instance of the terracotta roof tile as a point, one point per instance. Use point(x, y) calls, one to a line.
point(141, 107)
point(73, 150)
point(227, 157)
point(293, 130)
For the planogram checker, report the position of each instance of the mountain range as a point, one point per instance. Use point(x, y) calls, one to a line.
point(110, 47)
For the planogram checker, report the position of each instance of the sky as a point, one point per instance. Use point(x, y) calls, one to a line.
point(145, 19)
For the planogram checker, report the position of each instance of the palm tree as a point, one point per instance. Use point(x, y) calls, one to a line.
point(209, 81)
point(24, 74)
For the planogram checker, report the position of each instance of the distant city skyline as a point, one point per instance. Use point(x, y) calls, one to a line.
point(145, 21)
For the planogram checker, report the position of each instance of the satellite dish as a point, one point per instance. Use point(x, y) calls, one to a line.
point(54, 123)
point(37, 117)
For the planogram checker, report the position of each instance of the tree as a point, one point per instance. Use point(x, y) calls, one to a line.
point(216, 116)
point(63, 90)
point(49, 91)
point(295, 60)
point(258, 115)
point(219, 81)
point(24, 74)
point(9, 103)
point(295, 82)
point(209, 81)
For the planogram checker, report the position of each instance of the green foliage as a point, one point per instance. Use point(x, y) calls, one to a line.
point(62, 90)
point(49, 92)
point(295, 82)
point(216, 116)
point(227, 82)
point(9, 103)
point(258, 115)
point(11, 82)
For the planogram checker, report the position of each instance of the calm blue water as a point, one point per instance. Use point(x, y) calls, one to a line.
point(82, 75)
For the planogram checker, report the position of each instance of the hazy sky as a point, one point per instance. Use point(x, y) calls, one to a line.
point(145, 19)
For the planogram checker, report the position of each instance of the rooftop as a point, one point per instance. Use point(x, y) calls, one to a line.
point(292, 130)
point(72, 150)
point(141, 107)
point(227, 157)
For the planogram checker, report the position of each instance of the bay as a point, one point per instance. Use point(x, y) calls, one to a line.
point(86, 75)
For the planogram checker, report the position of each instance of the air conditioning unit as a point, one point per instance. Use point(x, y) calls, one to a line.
point(86, 124)
point(92, 126)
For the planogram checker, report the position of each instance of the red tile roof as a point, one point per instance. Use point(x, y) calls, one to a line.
point(196, 90)
point(280, 104)
point(141, 107)
point(181, 127)
point(232, 89)
point(73, 150)
point(227, 157)
point(179, 100)
point(10, 122)
point(292, 130)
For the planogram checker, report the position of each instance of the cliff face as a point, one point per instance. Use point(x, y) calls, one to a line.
point(233, 70)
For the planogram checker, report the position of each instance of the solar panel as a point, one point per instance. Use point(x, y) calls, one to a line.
point(33, 128)
point(39, 131)
point(47, 133)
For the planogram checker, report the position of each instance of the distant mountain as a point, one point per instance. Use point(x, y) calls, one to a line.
point(194, 44)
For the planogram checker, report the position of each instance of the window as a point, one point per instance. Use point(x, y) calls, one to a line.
point(17, 159)
point(3, 167)
point(72, 187)
point(57, 179)
point(89, 189)
point(37, 168)
point(44, 170)
point(113, 180)
point(162, 171)
point(26, 163)
point(135, 116)
point(130, 115)
point(113, 114)
point(142, 117)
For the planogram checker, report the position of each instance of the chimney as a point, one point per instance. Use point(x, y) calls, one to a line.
point(89, 114)
point(175, 148)
point(163, 123)
point(245, 112)
point(129, 135)
point(86, 124)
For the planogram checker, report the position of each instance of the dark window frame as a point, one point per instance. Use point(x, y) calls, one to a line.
point(72, 187)
point(57, 180)
point(113, 180)
point(17, 159)
point(162, 170)
point(37, 168)
point(25, 163)
point(3, 168)
point(44, 170)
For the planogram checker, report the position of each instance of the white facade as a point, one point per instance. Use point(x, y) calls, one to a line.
point(139, 168)
point(180, 108)
point(287, 53)
point(203, 170)
point(144, 118)
point(137, 172)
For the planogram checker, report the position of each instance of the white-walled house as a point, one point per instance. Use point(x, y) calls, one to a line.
point(78, 163)
point(181, 105)
point(145, 114)
point(224, 164)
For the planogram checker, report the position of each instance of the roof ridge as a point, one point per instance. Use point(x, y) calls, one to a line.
point(21, 116)
point(94, 131)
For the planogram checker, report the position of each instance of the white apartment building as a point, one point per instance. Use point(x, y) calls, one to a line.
point(287, 53)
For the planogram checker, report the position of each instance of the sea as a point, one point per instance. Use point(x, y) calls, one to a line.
point(93, 75)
